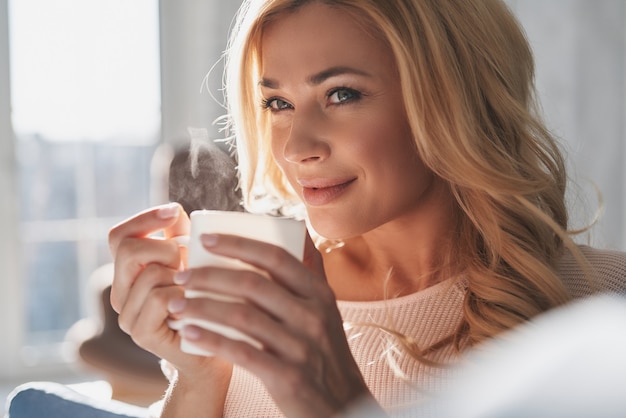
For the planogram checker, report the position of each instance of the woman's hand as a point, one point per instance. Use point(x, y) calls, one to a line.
point(143, 286)
point(305, 362)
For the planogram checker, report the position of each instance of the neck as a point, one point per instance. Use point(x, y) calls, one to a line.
point(399, 258)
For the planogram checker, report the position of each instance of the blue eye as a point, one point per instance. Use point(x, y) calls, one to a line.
point(275, 104)
point(342, 95)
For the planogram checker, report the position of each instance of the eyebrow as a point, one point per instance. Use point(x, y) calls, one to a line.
point(319, 78)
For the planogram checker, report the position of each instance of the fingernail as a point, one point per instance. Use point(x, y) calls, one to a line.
point(176, 305)
point(208, 240)
point(168, 211)
point(182, 277)
point(190, 332)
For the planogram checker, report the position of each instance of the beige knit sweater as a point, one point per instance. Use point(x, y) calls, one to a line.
point(395, 379)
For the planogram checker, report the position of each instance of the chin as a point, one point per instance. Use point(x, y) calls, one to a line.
point(333, 230)
point(323, 229)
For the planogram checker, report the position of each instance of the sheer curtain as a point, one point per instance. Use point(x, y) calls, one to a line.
point(580, 51)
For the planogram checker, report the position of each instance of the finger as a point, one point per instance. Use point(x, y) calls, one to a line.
point(260, 362)
point(292, 316)
point(152, 277)
point(312, 257)
point(133, 255)
point(249, 320)
point(149, 328)
point(246, 285)
point(181, 226)
point(282, 266)
point(282, 379)
point(151, 331)
point(170, 217)
point(295, 314)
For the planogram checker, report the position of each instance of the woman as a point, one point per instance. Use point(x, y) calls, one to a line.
point(404, 131)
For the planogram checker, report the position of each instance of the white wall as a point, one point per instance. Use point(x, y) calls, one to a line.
point(580, 50)
point(193, 38)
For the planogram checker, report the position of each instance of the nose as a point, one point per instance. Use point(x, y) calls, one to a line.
point(307, 140)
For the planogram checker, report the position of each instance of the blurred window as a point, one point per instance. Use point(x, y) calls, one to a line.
point(86, 114)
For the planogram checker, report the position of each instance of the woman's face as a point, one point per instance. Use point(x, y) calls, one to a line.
point(338, 124)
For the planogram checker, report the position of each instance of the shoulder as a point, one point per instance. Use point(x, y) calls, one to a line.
point(605, 271)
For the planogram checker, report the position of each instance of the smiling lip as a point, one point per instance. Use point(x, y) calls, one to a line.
point(322, 192)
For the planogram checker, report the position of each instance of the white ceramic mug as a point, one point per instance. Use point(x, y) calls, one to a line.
point(283, 232)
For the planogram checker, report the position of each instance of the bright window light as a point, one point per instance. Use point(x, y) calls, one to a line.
point(81, 69)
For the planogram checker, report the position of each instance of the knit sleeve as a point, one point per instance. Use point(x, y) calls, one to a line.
point(607, 272)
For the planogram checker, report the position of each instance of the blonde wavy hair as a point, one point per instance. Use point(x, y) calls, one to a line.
point(467, 76)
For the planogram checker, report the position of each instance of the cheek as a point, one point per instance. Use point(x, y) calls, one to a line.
point(384, 142)
point(277, 145)
point(394, 159)
point(363, 138)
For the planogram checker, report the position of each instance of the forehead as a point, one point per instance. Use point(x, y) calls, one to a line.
point(318, 35)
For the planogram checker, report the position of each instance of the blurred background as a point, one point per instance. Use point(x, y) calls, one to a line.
point(93, 91)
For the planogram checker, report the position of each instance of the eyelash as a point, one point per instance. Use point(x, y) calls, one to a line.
point(356, 95)
point(266, 104)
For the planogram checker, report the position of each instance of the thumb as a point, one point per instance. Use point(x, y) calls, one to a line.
point(180, 227)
